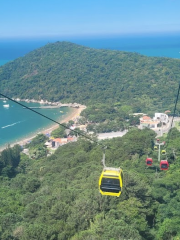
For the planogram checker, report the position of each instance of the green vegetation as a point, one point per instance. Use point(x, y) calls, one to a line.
point(9, 160)
point(59, 132)
point(103, 118)
point(36, 147)
point(57, 197)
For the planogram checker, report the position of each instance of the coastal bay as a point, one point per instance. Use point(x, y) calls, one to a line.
point(18, 125)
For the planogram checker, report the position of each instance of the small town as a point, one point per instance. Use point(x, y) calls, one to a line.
point(160, 123)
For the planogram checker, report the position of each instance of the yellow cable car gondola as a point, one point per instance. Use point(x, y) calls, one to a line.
point(111, 181)
point(155, 148)
point(163, 152)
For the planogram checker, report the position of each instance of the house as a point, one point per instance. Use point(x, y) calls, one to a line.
point(71, 139)
point(149, 124)
point(83, 127)
point(58, 142)
point(146, 121)
point(72, 127)
point(145, 118)
point(48, 144)
point(162, 117)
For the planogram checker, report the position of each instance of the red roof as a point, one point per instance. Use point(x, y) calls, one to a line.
point(146, 118)
point(57, 140)
point(70, 139)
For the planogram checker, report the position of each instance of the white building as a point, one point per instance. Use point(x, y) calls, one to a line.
point(162, 117)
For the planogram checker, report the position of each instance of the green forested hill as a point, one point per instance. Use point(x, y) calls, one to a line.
point(57, 197)
point(67, 72)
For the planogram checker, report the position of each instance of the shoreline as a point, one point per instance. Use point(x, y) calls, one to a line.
point(75, 112)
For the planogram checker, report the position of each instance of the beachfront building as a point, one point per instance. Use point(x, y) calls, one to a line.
point(57, 142)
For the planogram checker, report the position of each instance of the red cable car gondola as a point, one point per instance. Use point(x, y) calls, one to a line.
point(149, 161)
point(164, 165)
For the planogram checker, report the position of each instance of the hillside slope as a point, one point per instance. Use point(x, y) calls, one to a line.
point(57, 197)
point(67, 72)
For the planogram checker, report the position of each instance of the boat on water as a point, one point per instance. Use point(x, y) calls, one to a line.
point(6, 105)
point(4, 101)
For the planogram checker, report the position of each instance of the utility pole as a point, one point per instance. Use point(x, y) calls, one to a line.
point(160, 130)
point(159, 150)
point(159, 153)
point(156, 173)
point(174, 153)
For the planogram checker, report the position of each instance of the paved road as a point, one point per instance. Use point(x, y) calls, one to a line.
point(165, 128)
point(111, 135)
point(159, 131)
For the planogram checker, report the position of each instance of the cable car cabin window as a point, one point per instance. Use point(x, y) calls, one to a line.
point(164, 166)
point(149, 162)
point(110, 181)
point(110, 185)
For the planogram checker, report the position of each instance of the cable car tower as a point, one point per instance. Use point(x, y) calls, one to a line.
point(159, 149)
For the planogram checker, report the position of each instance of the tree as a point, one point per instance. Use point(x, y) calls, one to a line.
point(59, 132)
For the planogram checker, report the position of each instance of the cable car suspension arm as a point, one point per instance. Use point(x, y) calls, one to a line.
point(103, 159)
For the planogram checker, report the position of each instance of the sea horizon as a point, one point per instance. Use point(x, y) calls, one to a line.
point(156, 45)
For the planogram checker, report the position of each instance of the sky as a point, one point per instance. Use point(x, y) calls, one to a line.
point(76, 18)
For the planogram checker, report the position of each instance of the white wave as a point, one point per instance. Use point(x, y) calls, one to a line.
point(11, 124)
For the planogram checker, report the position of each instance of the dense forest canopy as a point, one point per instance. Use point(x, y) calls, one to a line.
point(57, 197)
point(68, 72)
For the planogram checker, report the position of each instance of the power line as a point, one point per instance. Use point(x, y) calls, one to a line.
point(173, 115)
point(83, 135)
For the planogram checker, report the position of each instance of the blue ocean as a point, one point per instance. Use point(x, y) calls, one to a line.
point(150, 45)
point(17, 123)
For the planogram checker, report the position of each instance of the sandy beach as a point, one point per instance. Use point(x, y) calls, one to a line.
point(74, 113)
